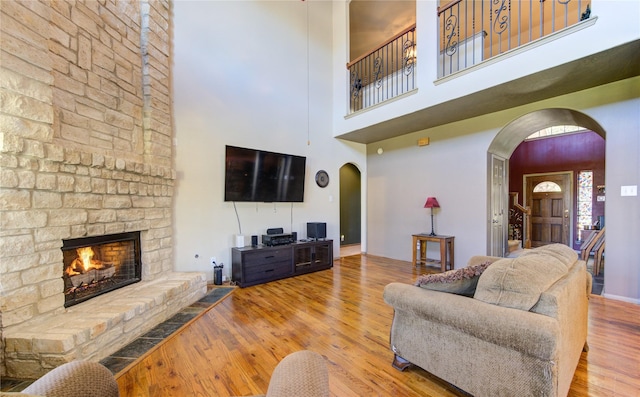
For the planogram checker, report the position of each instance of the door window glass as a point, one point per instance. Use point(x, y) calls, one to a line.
point(585, 198)
point(547, 186)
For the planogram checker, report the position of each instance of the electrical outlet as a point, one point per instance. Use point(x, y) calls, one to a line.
point(213, 261)
point(629, 190)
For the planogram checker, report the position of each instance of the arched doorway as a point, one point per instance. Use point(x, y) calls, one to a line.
point(350, 209)
point(501, 150)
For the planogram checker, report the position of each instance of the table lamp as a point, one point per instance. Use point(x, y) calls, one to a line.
point(432, 203)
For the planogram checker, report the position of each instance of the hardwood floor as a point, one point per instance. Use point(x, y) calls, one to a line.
point(350, 249)
point(232, 349)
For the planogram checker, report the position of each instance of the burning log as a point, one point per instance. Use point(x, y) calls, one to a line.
point(93, 275)
point(85, 270)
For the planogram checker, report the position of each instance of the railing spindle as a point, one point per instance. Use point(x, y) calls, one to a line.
point(541, 19)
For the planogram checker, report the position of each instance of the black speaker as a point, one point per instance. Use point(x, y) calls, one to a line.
point(294, 236)
point(316, 230)
point(254, 241)
point(275, 230)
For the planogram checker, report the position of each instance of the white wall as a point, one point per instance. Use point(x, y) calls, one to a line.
point(453, 168)
point(246, 74)
point(622, 168)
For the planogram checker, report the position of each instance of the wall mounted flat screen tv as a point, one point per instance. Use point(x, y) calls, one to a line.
point(261, 176)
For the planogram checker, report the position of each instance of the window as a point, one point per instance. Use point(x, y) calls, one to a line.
point(547, 186)
point(585, 198)
point(555, 130)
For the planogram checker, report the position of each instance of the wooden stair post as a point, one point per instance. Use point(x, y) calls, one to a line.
point(526, 221)
point(589, 244)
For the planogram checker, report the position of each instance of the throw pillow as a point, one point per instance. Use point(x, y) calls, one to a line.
point(457, 281)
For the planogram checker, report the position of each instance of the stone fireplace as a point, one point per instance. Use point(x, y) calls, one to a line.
point(86, 151)
point(96, 265)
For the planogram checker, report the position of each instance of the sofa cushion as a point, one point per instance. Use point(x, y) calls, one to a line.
point(458, 281)
point(565, 254)
point(518, 282)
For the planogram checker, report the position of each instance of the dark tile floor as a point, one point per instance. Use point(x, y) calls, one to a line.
point(598, 281)
point(128, 354)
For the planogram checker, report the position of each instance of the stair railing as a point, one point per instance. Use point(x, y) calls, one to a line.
point(384, 73)
point(526, 221)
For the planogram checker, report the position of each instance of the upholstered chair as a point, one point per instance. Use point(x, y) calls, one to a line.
point(76, 378)
point(301, 374)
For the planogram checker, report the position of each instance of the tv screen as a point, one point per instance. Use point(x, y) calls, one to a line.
point(261, 176)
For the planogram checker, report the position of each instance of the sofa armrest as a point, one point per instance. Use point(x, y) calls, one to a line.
point(519, 330)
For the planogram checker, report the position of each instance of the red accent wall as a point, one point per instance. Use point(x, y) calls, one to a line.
point(571, 152)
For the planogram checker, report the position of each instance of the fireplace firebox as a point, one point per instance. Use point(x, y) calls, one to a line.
point(99, 264)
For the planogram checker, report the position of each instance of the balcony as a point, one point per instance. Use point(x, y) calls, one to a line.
point(469, 33)
point(385, 73)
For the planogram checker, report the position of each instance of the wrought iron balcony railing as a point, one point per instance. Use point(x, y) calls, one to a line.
point(470, 31)
point(475, 30)
point(385, 73)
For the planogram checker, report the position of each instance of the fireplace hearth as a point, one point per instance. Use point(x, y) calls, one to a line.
point(99, 264)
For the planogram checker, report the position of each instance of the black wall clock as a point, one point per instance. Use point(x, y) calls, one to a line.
point(322, 178)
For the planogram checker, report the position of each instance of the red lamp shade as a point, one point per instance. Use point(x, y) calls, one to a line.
point(431, 203)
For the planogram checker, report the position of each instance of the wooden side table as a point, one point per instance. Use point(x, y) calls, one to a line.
point(446, 250)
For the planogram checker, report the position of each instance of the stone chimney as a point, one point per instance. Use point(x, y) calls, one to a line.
point(85, 149)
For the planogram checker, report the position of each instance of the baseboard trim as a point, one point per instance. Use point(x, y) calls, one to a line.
point(622, 298)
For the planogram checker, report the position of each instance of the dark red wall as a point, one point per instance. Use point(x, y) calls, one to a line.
point(571, 152)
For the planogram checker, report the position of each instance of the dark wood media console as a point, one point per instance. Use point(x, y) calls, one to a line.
point(257, 265)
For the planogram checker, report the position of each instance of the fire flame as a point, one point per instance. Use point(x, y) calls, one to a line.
point(83, 262)
point(85, 254)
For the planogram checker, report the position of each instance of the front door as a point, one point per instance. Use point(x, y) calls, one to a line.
point(549, 197)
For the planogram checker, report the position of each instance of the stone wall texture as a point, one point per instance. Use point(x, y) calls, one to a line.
point(85, 140)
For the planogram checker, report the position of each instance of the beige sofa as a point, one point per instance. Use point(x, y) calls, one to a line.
point(520, 334)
